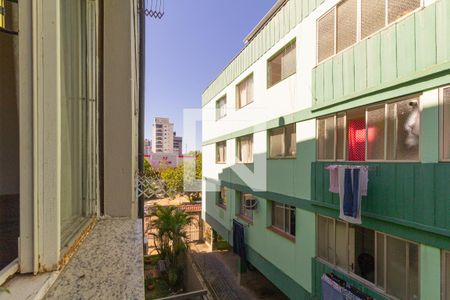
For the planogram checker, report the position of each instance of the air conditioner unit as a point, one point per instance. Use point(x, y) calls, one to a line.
point(251, 203)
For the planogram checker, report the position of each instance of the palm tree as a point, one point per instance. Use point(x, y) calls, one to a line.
point(170, 224)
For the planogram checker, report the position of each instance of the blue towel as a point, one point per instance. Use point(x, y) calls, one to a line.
point(351, 192)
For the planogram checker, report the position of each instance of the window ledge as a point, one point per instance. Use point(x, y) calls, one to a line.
point(108, 265)
point(282, 233)
point(222, 206)
point(245, 219)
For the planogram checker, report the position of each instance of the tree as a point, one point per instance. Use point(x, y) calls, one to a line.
point(170, 238)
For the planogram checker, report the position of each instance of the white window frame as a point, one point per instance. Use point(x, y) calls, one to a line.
point(441, 125)
point(348, 271)
point(218, 145)
point(240, 212)
point(283, 146)
point(239, 148)
point(281, 52)
point(238, 94)
point(366, 108)
point(284, 207)
point(358, 26)
point(218, 115)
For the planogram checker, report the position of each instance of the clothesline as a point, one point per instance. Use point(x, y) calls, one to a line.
point(369, 168)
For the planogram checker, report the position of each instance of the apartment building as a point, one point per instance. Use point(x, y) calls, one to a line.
point(329, 83)
point(69, 113)
point(177, 144)
point(162, 136)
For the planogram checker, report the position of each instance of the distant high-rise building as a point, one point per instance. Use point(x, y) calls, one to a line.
point(177, 144)
point(162, 136)
point(147, 147)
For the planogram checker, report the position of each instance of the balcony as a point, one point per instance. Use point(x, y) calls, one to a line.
point(414, 48)
point(412, 194)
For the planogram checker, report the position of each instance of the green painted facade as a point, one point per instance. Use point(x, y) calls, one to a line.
point(399, 53)
point(291, 14)
point(407, 200)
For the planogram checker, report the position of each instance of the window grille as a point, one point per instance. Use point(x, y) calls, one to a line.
point(373, 16)
point(346, 24)
point(326, 35)
point(400, 8)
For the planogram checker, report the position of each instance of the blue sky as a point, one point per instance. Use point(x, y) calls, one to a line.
point(189, 47)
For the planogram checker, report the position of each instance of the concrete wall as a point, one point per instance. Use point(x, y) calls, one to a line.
point(120, 108)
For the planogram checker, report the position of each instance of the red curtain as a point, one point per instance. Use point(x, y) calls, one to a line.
point(357, 140)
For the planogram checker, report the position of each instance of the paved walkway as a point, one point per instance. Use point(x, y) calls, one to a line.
point(219, 269)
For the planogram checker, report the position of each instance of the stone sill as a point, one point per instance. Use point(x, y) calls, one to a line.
point(107, 265)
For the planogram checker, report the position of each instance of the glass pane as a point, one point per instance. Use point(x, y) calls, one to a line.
point(413, 274)
point(341, 245)
point(289, 61)
point(291, 143)
point(292, 221)
point(399, 8)
point(373, 16)
point(221, 152)
point(391, 138)
point(245, 149)
point(278, 215)
point(403, 130)
point(396, 267)
point(326, 138)
point(75, 113)
point(446, 123)
point(365, 253)
point(340, 142)
point(380, 260)
point(276, 142)
point(356, 137)
point(250, 89)
point(325, 40)
point(375, 134)
point(275, 70)
point(242, 94)
point(322, 238)
point(346, 24)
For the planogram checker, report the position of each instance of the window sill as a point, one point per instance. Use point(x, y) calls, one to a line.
point(239, 108)
point(282, 233)
point(276, 83)
point(245, 219)
point(220, 163)
point(282, 158)
point(222, 206)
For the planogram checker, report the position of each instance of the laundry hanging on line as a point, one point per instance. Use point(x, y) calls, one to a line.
point(350, 182)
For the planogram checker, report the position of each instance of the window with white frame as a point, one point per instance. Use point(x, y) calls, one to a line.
point(445, 123)
point(245, 205)
point(390, 263)
point(283, 218)
point(282, 142)
point(446, 275)
point(281, 65)
point(221, 152)
point(386, 131)
point(221, 197)
point(221, 108)
point(352, 20)
point(245, 149)
point(244, 92)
